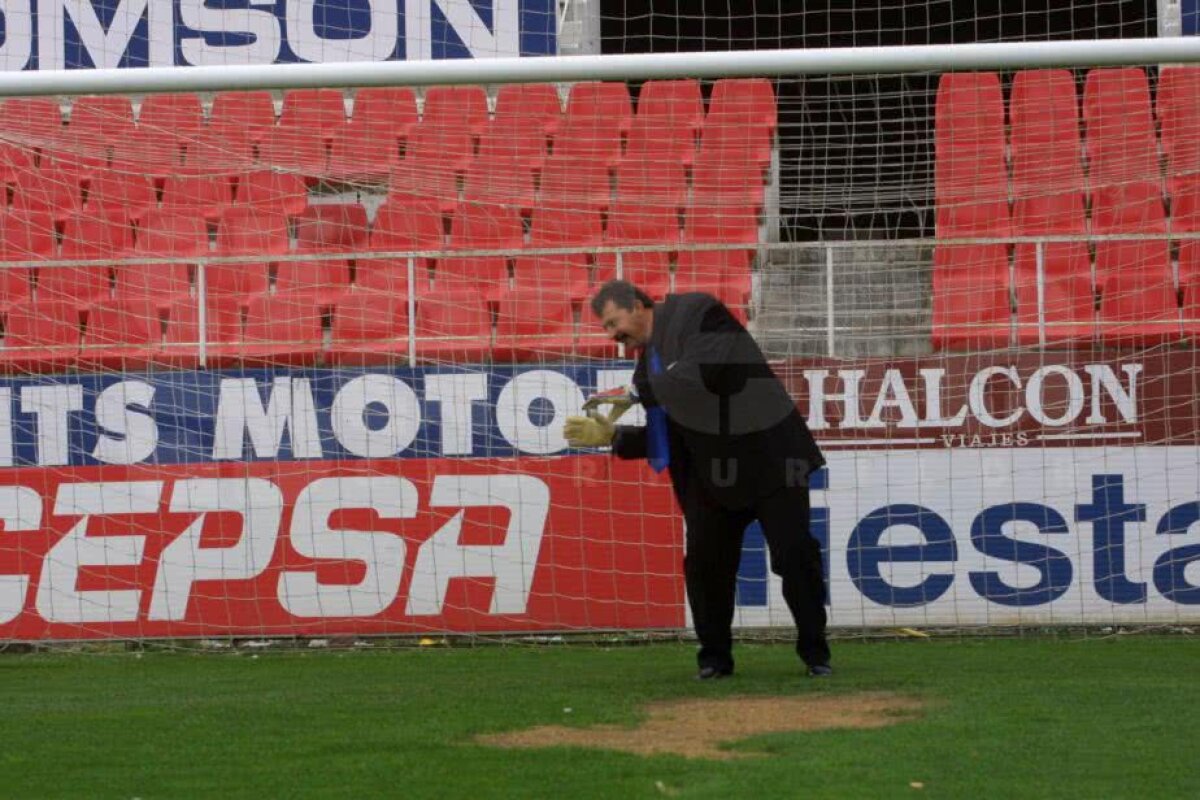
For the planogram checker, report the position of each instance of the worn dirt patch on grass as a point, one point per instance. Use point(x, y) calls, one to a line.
point(697, 728)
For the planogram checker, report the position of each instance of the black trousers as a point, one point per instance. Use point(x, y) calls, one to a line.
point(714, 548)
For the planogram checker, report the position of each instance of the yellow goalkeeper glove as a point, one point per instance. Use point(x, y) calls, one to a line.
point(620, 400)
point(594, 430)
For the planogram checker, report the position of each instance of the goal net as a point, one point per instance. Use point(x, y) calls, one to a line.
point(296, 363)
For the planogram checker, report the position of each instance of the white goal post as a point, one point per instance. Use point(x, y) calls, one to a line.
point(656, 66)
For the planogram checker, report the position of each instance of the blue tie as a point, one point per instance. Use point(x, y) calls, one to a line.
point(658, 447)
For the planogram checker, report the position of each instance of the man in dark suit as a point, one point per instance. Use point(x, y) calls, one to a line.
point(737, 449)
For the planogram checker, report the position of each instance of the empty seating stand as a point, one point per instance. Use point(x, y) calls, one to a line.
point(453, 325)
point(246, 178)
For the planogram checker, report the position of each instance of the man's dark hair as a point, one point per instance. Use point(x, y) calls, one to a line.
point(621, 294)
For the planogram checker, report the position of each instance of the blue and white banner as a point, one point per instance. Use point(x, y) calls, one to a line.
point(84, 34)
point(320, 414)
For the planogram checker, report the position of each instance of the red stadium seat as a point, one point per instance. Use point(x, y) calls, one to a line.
point(246, 230)
point(272, 191)
point(1043, 108)
point(401, 224)
point(654, 181)
point(988, 263)
point(53, 188)
point(407, 224)
point(480, 227)
point(238, 280)
point(1120, 134)
point(363, 155)
point(725, 224)
point(677, 103)
point(242, 115)
point(725, 138)
point(1128, 208)
point(462, 108)
point(1067, 307)
point(171, 115)
point(499, 182)
point(283, 328)
point(23, 237)
point(332, 228)
point(601, 101)
point(535, 107)
point(566, 272)
point(1178, 107)
point(100, 120)
point(167, 123)
point(369, 146)
point(292, 150)
point(1059, 259)
point(166, 233)
point(385, 108)
point(26, 236)
point(79, 285)
point(33, 122)
point(632, 224)
point(1120, 162)
point(414, 179)
point(534, 325)
point(205, 195)
point(1138, 310)
point(390, 276)
point(516, 143)
point(15, 160)
point(327, 279)
point(15, 287)
point(1185, 218)
point(590, 138)
point(747, 99)
point(720, 179)
point(718, 272)
point(1116, 104)
point(221, 332)
point(124, 334)
point(487, 275)
point(971, 189)
point(314, 112)
point(215, 151)
point(969, 112)
point(149, 154)
point(574, 183)
point(1150, 260)
point(1046, 214)
point(40, 337)
point(161, 282)
point(111, 191)
point(1046, 151)
point(1178, 104)
point(369, 328)
point(652, 139)
point(971, 310)
point(453, 326)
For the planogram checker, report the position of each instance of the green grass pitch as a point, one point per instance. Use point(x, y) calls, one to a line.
point(1006, 718)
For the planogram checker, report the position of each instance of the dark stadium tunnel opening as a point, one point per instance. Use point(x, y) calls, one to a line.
point(856, 153)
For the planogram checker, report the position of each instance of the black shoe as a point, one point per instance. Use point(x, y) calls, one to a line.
point(713, 673)
point(820, 671)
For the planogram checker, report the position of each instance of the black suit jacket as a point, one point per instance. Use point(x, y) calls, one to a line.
point(732, 426)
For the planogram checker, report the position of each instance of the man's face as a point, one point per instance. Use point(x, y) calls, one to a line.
point(630, 328)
